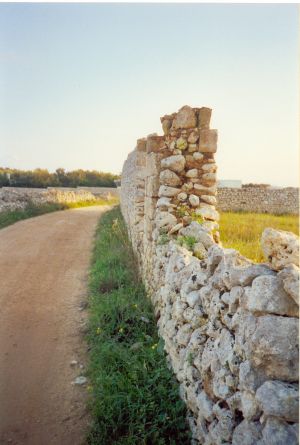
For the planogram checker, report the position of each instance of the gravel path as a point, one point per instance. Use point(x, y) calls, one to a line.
point(43, 281)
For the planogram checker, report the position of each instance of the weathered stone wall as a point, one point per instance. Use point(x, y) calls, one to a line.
point(230, 326)
point(259, 200)
point(12, 198)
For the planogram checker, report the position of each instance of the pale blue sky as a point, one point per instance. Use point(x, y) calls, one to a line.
point(79, 83)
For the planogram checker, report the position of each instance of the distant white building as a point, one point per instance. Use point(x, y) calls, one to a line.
point(232, 183)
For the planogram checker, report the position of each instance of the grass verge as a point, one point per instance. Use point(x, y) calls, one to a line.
point(11, 216)
point(242, 231)
point(134, 396)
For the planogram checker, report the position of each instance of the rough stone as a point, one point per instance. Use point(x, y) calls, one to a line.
point(249, 406)
point(194, 200)
point(182, 196)
point(208, 213)
point(199, 251)
point(163, 202)
point(209, 168)
point(209, 177)
point(267, 295)
point(273, 346)
point(236, 270)
point(185, 118)
point(280, 248)
point(167, 191)
point(278, 432)
point(176, 228)
point(193, 173)
point(290, 277)
point(205, 190)
point(196, 231)
point(247, 433)
point(165, 219)
point(168, 177)
point(198, 156)
point(193, 137)
point(175, 163)
point(279, 399)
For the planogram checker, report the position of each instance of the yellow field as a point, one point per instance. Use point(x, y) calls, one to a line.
point(242, 231)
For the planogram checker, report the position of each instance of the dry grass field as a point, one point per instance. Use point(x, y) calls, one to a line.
point(242, 231)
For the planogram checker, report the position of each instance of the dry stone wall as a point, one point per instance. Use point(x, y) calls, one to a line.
point(230, 326)
point(259, 200)
point(12, 198)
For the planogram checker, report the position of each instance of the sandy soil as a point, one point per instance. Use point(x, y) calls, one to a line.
point(43, 282)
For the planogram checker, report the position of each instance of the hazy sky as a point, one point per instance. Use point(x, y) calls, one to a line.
point(79, 83)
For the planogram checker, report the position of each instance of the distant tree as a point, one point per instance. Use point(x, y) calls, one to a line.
point(60, 178)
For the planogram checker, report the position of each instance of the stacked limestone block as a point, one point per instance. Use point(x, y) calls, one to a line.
point(188, 172)
point(231, 334)
point(230, 326)
point(259, 200)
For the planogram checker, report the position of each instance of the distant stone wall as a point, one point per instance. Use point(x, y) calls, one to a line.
point(12, 198)
point(230, 326)
point(259, 200)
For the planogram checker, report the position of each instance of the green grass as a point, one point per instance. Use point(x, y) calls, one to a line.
point(11, 216)
point(242, 231)
point(134, 396)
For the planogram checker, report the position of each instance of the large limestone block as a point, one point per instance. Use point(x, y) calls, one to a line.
point(154, 143)
point(272, 345)
point(204, 115)
point(267, 295)
point(185, 118)
point(290, 277)
point(152, 186)
point(149, 207)
point(279, 399)
point(153, 164)
point(278, 432)
point(208, 141)
point(175, 163)
point(141, 144)
point(280, 248)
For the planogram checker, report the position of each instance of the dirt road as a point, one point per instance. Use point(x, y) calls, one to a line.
point(43, 279)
